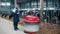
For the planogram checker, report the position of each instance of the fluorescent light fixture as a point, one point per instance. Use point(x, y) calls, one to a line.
point(51, 8)
point(8, 4)
point(3, 4)
point(34, 3)
point(23, 9)
point(44, 8)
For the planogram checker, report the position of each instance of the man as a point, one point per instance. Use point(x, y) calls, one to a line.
point(16, 17)
point(37, 13)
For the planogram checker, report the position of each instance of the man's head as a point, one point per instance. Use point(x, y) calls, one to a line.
point(17, 6)
point(35, 10)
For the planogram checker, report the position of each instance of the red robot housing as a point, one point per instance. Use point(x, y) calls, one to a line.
point(31, 24)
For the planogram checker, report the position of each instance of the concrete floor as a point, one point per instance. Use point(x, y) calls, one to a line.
point(6, 27)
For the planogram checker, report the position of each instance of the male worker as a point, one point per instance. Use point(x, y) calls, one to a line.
point(16, 17)
point(36, 11)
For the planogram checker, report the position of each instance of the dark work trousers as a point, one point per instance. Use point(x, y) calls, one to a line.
point(15, 20)
point(15, 25)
